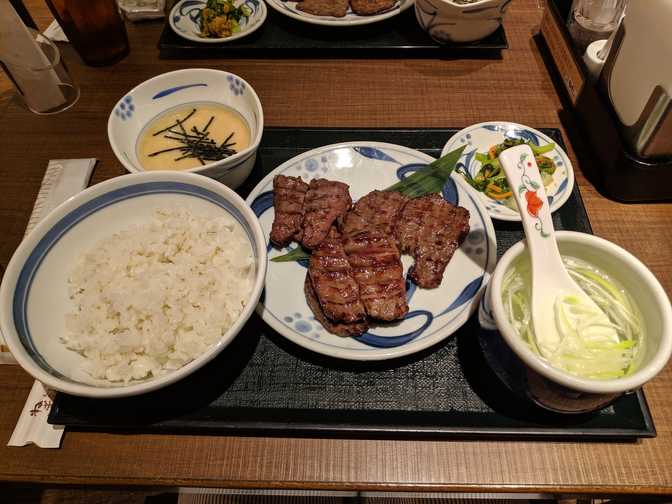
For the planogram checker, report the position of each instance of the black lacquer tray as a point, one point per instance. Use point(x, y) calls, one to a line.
point(262, 384)
point(285, 37)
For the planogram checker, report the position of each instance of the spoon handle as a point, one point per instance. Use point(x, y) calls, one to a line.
point(528, 190)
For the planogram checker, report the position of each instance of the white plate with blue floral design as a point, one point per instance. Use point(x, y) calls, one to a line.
point(289, 8)
point(434, 314)
point(185, 20)
point(480, 137)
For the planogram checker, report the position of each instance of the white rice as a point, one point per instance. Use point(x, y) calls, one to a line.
point(152, 298)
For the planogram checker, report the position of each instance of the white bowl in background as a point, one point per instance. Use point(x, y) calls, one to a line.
point(142, 104)
point(34, 297)
point(635, 278)
point(448, 22)
point(185, 20)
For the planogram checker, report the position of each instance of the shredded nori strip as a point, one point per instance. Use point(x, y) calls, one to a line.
point(209, 123)
point(227, 139)
point(165, 150)
point(177, 123)
point(197, 143)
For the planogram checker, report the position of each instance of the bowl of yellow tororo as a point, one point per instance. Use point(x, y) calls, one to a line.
point(193, 120)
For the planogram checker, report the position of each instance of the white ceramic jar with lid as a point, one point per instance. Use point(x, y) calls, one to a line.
point(449, 21)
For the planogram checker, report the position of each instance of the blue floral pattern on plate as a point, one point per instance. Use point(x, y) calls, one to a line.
point(480, 137)
point(433, 315)
point(373, 153)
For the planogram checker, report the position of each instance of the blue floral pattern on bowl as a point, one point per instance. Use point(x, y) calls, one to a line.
point(125, 108)
point(236, 86)
point(433, 314)
point(175, 89)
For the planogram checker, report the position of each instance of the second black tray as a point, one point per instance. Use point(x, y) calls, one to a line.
point(263, 384)
point(284, 37)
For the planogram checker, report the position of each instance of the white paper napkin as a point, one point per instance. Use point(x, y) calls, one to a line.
point(55, 33)
point(138, 10)
point(63, 179)
point(32, 426)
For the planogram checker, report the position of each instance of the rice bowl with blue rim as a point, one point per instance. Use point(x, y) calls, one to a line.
point(34, 292)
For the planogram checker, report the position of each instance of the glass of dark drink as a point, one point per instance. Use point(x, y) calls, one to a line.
point(94, 28)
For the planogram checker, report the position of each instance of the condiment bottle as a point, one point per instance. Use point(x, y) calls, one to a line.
point(94, 28)
point(591, 20)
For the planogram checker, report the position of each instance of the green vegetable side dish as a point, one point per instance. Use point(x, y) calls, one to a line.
point(491, 179)
point(221, 18)
point(588, 347)
point(429, 179)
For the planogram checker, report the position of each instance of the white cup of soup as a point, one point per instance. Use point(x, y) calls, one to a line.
point(624, 288)
point(193, 120)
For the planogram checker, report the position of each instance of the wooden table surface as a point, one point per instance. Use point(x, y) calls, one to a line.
point(366, 93)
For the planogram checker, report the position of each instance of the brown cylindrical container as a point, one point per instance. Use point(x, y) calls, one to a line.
point(94, 28)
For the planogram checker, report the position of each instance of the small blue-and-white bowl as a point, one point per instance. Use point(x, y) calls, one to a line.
point(34, 296)
point(185, 20)
point(142, 104)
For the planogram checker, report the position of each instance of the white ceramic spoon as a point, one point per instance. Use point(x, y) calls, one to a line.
point(550, 279)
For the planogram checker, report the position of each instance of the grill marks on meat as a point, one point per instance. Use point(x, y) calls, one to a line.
point(378, 209)
point(431, 229)
point(332, 278)
point(356, 275)
point(335, 8)
point(377, 269)
point(339, 8)
point(360, 273)
point(338, 328)
point(370, 7)
point(306, 212)
point(288, 197)
point(325, 202)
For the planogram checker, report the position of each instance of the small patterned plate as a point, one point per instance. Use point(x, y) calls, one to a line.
point(289, 8)
point(480, 137)
point(434, 314)
point(185, 20)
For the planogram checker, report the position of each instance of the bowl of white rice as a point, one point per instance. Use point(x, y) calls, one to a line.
point(133, 284)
